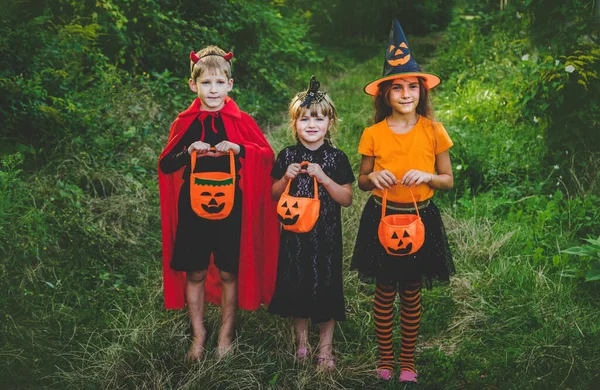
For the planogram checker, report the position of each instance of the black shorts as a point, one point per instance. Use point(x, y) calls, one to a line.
point(197, 238)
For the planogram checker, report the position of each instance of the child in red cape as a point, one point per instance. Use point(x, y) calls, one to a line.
point(229, 261)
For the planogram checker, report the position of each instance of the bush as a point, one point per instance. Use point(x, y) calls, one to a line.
point(590, 270)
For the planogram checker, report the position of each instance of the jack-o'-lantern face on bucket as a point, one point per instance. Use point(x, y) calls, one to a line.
point(212, 194)
point(211, 203)
point(290, 213)
point(298, 214)
point(401, 54)
point(400, 234)
point(404, 241)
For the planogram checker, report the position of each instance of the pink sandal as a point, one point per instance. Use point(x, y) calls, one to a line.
point(326, 363)
point(407, 376)
point(302, 353)
point(384, 374)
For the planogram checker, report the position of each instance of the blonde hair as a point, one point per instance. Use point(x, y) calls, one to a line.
point(325, 107)
point(211, 59)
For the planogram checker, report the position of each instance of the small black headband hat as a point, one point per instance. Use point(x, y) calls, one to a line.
point(400, 62)
point(312, 94)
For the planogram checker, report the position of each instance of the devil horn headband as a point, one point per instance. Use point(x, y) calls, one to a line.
point(195, 57)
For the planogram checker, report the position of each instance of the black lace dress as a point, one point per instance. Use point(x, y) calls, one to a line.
point(309, 272)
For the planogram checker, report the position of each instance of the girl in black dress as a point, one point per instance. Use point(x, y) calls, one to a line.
point(309, 273)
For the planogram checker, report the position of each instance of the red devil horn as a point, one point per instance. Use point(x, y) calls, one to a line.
point(228, 56)
point(194, 57)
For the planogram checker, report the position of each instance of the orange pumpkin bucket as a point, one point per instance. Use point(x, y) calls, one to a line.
point(298, 215)
point(212, 193)
point(401, 234)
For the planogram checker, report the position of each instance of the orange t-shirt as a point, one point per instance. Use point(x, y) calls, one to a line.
point(399, 153)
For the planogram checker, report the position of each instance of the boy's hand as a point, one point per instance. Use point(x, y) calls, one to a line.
point(383, 179)
point(292, 171)
point(224, 147)
point(314, 170)
point(200, 147)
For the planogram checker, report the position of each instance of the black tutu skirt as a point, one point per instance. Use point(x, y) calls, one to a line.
point(432, 262)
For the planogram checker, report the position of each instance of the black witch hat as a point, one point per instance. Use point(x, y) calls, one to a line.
point(400, 62)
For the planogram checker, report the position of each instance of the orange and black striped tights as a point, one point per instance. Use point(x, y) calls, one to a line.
point(410, 317)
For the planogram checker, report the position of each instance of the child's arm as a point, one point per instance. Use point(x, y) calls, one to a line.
point(279, 186)
point(179, 156)
point(367, 179)
point(442, 181)
point(340, 193)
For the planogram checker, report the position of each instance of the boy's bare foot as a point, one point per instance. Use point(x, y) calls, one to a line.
point(196, 351)
point(224, 350)
point(225, 344)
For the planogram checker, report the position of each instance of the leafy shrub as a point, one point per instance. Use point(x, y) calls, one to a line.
point(351, 21)
point(523, 117)
point(590, 252)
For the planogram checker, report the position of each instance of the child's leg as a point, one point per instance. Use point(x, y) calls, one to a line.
point(410, 318)
point(383, 308)
point(194, 292)
point(228, 310)
point(301, 330)
point(326, 345)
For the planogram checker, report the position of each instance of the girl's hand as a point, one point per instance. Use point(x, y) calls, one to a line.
point(200, 147)
point(224, 147)
point(314, 170)
point(415, 177)
point(292, 171)
point(383, 179)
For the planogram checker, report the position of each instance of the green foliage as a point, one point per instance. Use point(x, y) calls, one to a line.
point(24, 226)
point(565, 53)
point(520, 105)
point(565, 96)
point(348, 22)
point(542, 63)
point(70, 61)
point(504, 114)
point(591, 253)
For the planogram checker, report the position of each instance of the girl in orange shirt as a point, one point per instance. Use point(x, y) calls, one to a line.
point(404, 153)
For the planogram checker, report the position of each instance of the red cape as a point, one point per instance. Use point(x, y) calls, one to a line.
point(260, 226)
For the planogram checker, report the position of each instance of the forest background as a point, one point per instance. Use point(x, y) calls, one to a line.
point(88, 90)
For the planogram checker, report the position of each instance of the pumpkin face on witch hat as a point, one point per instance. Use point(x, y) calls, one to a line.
point(400, 62)
point(401, 54)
